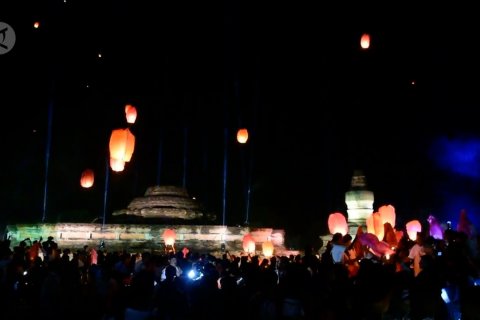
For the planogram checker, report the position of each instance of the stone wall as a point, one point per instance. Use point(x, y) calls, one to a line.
point(136, 237)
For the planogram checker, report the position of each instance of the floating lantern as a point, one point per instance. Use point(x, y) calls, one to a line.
point(365, 41)
point(387, 213)
point(169, 236)
point(337, 223)
point(130, 113)
point(413, 227)
point(248, 243)
point(242, 135)
point(122, 145)
point(267, 248)
point(87, 178)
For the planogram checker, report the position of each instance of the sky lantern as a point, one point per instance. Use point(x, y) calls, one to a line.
point(122, 144)
point(365, 41)
point(242, 135)
point(413, 227)
point(337, 223)
point(387, 213)
point(267, 248)
point(130, 113)
point(248, 243)
point(435, 228)
point(36, 24)
point(375, 225)
point(87, 178)
point(117, 165)
point(169, 237)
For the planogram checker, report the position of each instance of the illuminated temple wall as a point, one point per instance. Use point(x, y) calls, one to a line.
point(135, 238)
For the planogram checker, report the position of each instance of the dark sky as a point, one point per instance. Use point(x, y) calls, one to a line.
point(316, 104)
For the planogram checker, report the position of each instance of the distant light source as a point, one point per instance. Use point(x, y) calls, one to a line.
point(130, 113)
point(99, 55)
point(169, 236)
point(36, 25)
point(242, 135)
point(413, 82)
point(365, 41)
point(87, 178)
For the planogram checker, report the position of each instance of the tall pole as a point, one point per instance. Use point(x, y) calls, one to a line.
point(225, 158)
point(47, 159)
point(105, 192)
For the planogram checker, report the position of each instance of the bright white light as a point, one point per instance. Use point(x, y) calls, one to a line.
point(445, 297)
point(99, 55)
point(191, 274)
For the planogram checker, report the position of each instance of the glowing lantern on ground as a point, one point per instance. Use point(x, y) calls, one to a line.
point(87, 178)
point(375, 225)
point(267, 248)
point(413, 227)
point(169, 237)
point(365, 41)
point(248, 243)
point(122, 144)
point(242, 136)
point(337, 223)
point(130, 113)
point(387, 213)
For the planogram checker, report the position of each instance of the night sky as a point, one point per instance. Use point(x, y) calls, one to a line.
point(317, 107)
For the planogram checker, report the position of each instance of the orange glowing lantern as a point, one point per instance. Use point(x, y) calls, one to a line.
point(370, 225)
point(365, 41)
point(169, 237)
point(130, 113)
point(248, 243)
point(122, 144)
point(375, 225)
point(242, 135)
point(387, 213)
point(379, 227)
point(337, 223)
point(413, 227)
point(87, 178)
point(36, 25)
point(267, 248)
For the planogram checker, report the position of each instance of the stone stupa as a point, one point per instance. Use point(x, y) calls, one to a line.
point(359, 201)
point(165, 203)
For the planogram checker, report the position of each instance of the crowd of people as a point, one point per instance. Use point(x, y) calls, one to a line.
point(424, 279)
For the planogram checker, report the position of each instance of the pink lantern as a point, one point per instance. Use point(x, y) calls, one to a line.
point(267, 248)
point(370, 225)
point(130, 113)
point(388, 214)
point(337, 223)
point(169, 237)
point(185, 251)
point(413, 227)
point(435, 228)
point(365, 41)
point(248, 243)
